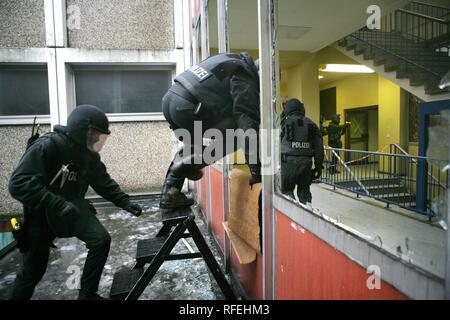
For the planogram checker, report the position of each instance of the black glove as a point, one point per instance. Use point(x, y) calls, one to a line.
point(255, 179)
point(316, 173)
point(133, 208)
point(69, 212)
point(255, 171)
point(61, 217)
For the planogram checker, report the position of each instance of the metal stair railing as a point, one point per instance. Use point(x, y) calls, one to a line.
point(422, 29)
point(387, 177)
point(347, 169)
point(428, 9)
point(369, 37)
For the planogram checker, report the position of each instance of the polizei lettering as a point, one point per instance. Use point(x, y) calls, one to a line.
point(200, 73)
point(300, 145)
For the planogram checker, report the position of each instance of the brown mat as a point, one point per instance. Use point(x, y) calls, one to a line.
point(244, 252)
point(243, 216)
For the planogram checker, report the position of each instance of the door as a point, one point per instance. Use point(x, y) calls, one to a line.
point(363, 131)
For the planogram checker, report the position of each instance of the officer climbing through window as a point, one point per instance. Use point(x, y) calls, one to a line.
point(51, 181)
point(301, 140)
point(222, 92)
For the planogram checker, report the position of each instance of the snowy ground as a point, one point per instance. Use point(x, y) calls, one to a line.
point(183, 279)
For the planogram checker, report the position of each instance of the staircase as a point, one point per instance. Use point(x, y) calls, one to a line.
point(413, 44)
point(392, 178)
point(421, 65)
point(391, 190)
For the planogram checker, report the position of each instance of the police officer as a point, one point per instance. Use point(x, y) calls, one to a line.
point(334, 131)
point(301, 140)
point(222, 92)
point(51, 181)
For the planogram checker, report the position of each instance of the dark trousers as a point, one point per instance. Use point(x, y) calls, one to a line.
point(296, 171)
point(34, 262)
point(180, 114)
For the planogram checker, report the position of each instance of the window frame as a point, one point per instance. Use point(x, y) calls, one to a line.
point(125, 116)
point(26, 119)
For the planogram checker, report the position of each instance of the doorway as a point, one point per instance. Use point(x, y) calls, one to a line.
point(363, 132)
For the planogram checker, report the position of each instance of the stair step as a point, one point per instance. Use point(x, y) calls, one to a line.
point(380, 190)
point(123, 282)
point(370, 182)
point(401, 199)
point(173, 217)
point(432, 87)
point(148, 248)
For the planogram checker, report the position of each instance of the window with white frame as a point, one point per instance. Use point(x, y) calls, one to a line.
point(24, 90)
point(122, 89)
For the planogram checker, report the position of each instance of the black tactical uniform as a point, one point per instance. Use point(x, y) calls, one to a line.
point(334, 132)
point(223, 93)
point(51, 181)
point(301, 140)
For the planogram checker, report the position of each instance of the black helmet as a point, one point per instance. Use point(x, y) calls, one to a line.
point(294, 105)
point(82, 119)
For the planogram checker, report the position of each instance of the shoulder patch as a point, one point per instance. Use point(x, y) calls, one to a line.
point(200, 73)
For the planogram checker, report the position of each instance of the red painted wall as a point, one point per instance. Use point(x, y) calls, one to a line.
point(217, 206)
point(250, 276)
point(308, 268)
point(204, 202)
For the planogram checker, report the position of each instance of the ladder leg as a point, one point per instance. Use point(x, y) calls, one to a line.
point(156, 263)
point(164, 231)
point(138, 265)
point(210, 260)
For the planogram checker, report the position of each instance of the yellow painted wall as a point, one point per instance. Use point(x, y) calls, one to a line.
point(303, 84)
point(355, 91)
point(368, 90)
point(388, 112)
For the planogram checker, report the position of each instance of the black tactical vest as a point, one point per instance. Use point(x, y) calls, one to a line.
point(209, 81)
point(67, 167)
point(296, 139)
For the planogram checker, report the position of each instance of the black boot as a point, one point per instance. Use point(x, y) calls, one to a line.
point(172, 198)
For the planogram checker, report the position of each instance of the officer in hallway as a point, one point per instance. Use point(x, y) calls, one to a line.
point(334, 131)
point(222, 92)
point(301, 140)
point(51, 181)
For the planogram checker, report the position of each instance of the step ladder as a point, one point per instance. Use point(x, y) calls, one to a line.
point(130, 284)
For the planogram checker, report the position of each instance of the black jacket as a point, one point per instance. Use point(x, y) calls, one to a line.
point(300, 136)
point(227, 85)
point(33, 182)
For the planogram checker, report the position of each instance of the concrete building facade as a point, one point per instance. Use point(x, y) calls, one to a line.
point(57, 54)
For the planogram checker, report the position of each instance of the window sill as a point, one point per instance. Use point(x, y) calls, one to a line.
point(135, 117)
point(24, 120)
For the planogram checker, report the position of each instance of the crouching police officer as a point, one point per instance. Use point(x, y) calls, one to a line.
point(301, 140)
point(222, 92)
point(51, 181)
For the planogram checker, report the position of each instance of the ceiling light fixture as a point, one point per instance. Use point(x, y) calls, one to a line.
point(349, 68)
